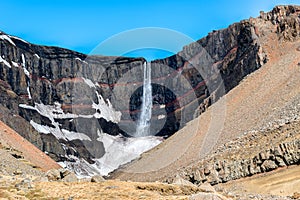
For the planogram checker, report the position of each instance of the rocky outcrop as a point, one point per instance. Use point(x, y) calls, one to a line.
point(251, 154)
point(285, 17)
point(223, 170)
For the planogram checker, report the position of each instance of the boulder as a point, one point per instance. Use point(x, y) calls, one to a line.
point(71, 177)
point(280, 162)
point(180, 181)
point(53, 175)
point(206, 187)
point(268, 165)
point(24, 184)
point(97, 179)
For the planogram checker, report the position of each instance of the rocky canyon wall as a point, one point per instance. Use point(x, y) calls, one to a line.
point(65, 99)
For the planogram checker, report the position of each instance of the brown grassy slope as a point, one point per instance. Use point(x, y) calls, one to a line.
point(11, 139)
point(259, 99)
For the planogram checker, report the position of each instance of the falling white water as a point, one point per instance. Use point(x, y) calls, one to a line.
point(143, 125)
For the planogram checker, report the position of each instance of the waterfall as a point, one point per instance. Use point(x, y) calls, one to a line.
point(143, 125)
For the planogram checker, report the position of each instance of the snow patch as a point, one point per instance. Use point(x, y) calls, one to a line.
point(50, 111)
point(81, 168)
point(71, 135)
point(89, 82)
point(46, 129)
point(28, 91)
point(107, 141)
point(105, 110)
point(5, 62)
point(161, 116)
point(5, 37)
point(26, 72)
point(37, 56)
point(55, 111)
point(27, 107)
point(62, 164)
point(59, 133)
point(81, 60)
point(15, 64)
point(120, 150)
point(162, 106)
point(40, 128)
point(46, 111)
point(24, 66)
point(23, 60)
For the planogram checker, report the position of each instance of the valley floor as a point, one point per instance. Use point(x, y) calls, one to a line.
point(18, 188)
point(280, 185)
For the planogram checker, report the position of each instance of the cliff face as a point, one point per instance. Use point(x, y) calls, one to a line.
point(64, 100)
point(211, 67)
point(259, 131)
point(44, 85)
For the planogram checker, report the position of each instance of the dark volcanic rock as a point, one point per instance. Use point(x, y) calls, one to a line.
point(219, 61)
point(32, 74)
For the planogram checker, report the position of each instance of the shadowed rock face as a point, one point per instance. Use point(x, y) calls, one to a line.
point(184, 85)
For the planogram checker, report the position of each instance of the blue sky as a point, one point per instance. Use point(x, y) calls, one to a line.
point(82, 25)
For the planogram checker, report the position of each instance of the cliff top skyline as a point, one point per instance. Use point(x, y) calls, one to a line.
point(82, 26)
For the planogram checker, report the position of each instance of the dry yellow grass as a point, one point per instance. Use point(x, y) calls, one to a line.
point(112, 189)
